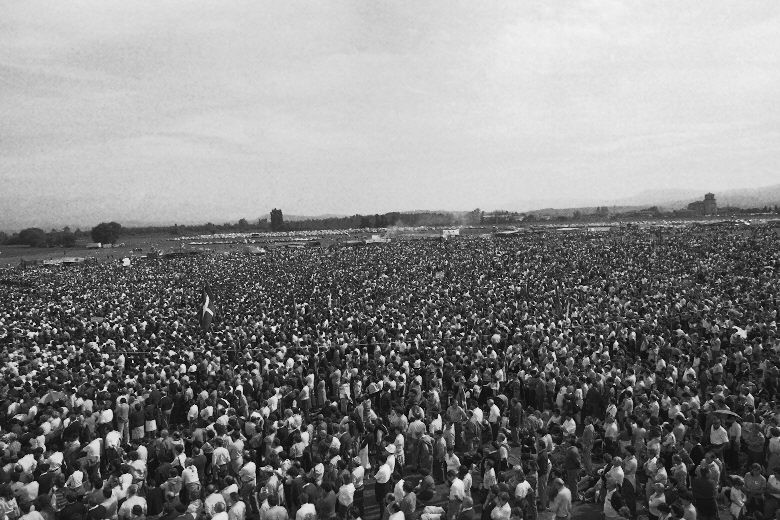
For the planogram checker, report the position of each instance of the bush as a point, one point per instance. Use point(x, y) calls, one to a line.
point(33, 237)
point(106, 232)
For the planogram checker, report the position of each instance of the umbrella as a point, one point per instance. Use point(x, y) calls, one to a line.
point(728, 412)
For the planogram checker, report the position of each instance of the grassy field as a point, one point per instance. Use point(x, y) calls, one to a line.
point(13, 255)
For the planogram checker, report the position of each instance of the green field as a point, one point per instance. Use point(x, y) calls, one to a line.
point(12, 255)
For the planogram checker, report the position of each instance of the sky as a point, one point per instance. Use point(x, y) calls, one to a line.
point(188, 111)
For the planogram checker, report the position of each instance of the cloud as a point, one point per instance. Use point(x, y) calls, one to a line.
point(187, 109)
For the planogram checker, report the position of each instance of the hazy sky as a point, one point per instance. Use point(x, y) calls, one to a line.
point(181, 111)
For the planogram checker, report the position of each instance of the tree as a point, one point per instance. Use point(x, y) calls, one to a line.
point(365, 221)
point(67, 239)
point(106, 232)
point(61, 238)
point(243, 224)
point(33, 237)
point(277, 220)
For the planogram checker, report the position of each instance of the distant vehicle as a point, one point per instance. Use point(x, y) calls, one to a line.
point(138, 249)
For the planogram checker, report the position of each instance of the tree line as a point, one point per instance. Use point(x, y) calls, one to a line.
point(105, 233)
point(109, 232)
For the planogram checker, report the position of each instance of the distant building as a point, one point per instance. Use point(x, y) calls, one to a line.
point(710, 205)
point(706, 207)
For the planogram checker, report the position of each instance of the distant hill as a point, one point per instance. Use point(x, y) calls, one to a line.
point(297, 218)
point(750, 197)
point(665, 199)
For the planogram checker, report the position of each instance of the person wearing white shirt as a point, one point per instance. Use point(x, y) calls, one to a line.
point(457, 493)
point(143, 453)
point(192, 413)
point(28, 463)
point(561, 504)
point(229, 491)
point(346, 494)
point(248, 474)
point(137, 469)
point(616, 474)
point(398, 490)
point(75, 480)
point(305, 510)
point(382, 477)
point(569, 425)
point(190, 478)
point(213, 500)
point(719, 437)
point(220, 458)
point(522, 488)
point(32, 515)
point(395, 512)
point(125, 510)
point(502, 510)
point(494, 417)
point(237, 510)
point(219, 512)
point(113, 439)
point(92, 451)
point(106, 416)
point(123, 485)
point(436, 425)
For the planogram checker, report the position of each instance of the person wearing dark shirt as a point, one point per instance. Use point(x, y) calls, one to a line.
point(97, 492)
point(96, 510)
point(154, 396)
point(45, 479)
point(326, 506)
point(385, 403)
point(73, 510)
point(704, 493)
point(594, 404)
point(426, 489)
point(150, 420)
point(573, 465)
point(73, 430)
point(137, 421)
point(697, 454)
point(295, 488)
point(200, 461)
point(180, 512)
point(166, 406)
point(155, 500)
point(310, 493)
point(162, 472)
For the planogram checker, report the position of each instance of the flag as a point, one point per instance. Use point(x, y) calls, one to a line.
point(207, 310)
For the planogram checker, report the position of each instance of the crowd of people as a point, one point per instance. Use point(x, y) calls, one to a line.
point(493, 378)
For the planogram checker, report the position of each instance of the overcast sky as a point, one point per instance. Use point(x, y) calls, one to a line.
point(195, 111)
